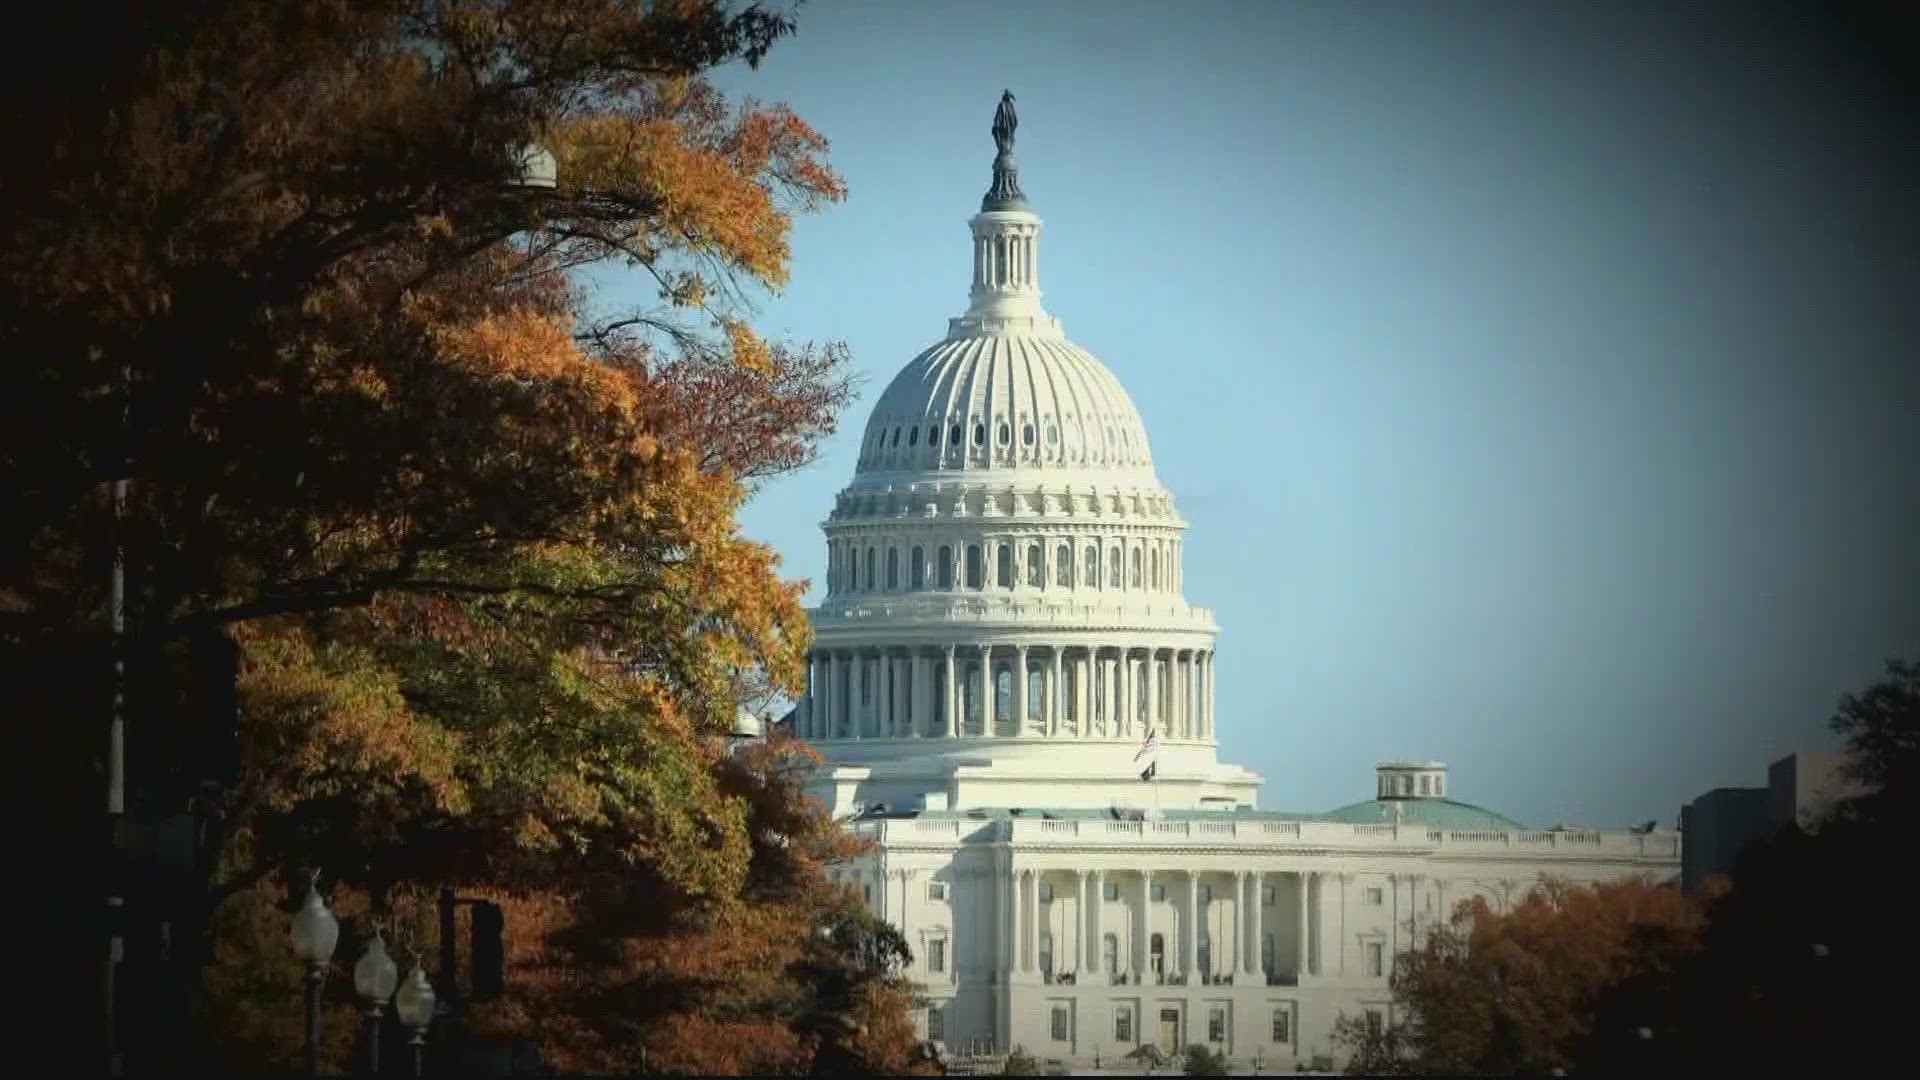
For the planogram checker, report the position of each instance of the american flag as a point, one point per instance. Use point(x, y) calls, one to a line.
point(1147, 746)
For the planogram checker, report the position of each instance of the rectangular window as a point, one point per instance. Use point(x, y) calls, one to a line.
point(936, 890)
point(1159, 893)
point(937, 955)
point(1282, 1024)
point(1206, 894)
point(1123, 1023)
point(1376, 959)
point(1112, 890)
point(1046, 893)
point(1266, 895)
point(1216, 1024)
point(866, 892)
point(1375, 897)
point(1060, 1024)
point(937, 1024)
point(1376, 1022)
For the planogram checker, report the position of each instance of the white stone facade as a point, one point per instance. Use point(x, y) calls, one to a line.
point(1004, 625)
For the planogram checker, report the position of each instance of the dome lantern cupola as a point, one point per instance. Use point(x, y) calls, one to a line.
point(1411, 780)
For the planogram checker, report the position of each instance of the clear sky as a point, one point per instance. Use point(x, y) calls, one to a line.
point(1540, 380)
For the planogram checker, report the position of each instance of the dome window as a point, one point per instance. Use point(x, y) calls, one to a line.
point(1053, 435)
point(1006, 434)
point(933, 435)
point(979, 434)
point(896, 437)
point(1026, 435)
point(913, 437)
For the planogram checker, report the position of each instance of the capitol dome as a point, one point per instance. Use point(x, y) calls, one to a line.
point(1004, 590)
point(1010, 402)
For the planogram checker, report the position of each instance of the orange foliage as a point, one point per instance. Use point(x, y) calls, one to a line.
point(1517, 991)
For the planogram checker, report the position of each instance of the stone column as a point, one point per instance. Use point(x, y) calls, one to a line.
point(1020, 691)
point(1242, 923)
point(1154, 718)
point(1083, 722)
point(831, 729)
point(987, 693)
point(1192, 963)
point(1206, 694)
point(1142, 927)
point(921, 722)
point(1300, 928)
point(1052, 709)
point(1080, 964)
point(1186, 693)
point(1030, 961)
point(1259, 929)
point(863, 668)
point(903, 702)
point(1095, 942)
point(952, 696)
point(1016, 938)
point(1124, 669)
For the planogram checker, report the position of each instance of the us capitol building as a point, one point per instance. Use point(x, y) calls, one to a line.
point(1004, 625)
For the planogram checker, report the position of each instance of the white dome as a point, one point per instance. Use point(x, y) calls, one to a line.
point(997, 401)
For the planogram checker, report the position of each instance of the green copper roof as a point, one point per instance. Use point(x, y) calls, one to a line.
point(1438, 813)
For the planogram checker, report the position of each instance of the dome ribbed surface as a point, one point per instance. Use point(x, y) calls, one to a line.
point(1007, 402)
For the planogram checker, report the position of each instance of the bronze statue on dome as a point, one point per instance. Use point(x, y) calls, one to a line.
point(1004, 121)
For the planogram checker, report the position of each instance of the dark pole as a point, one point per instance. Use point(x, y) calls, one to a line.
point(116, 906)
point(373, 1039)
point(316, 975)
point(419, 1051)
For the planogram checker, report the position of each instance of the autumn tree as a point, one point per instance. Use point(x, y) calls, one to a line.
point(1798, 929)
point(299, 335)
point(1501, 993)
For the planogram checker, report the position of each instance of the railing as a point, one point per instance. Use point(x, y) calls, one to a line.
point(943, 607)
point(1338, 834)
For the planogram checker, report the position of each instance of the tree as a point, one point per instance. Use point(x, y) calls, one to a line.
point(1782, 942)
point(1516, 992)
point(276, 272)
point(1202, 1061)
point(1020, 1063)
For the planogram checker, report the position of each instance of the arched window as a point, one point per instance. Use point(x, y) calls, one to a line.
point(975, 572)
point(1136, 568)
point(1266, 952)
point(1156, 567)
point(1090, 571)
point(1003, 695)
point(919, 565)
point(1157, 954)
point(893, 568)
point(1424, 781)
point(1036, 694)
point(870, 564)
point(896, 437)
point(1006, 433)
point(946, 566)
point(1063, 567)
point(953, 437)
point(1036, 567)
point(1026, 434)
point(1205, 949)
point(1004, 565)
point(1113, 568)
point(913, 437)
point(1046, 952)
point(979, 434)
point(1110, 953)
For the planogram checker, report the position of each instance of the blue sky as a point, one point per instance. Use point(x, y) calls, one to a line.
point(1539, 379)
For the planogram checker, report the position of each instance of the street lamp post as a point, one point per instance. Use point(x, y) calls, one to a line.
point(414, 1003)
point(374, 979)
point(315, 932)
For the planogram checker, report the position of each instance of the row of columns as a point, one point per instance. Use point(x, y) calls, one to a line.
point(914, 694)
point(1021, 908)
point(1145, 565)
